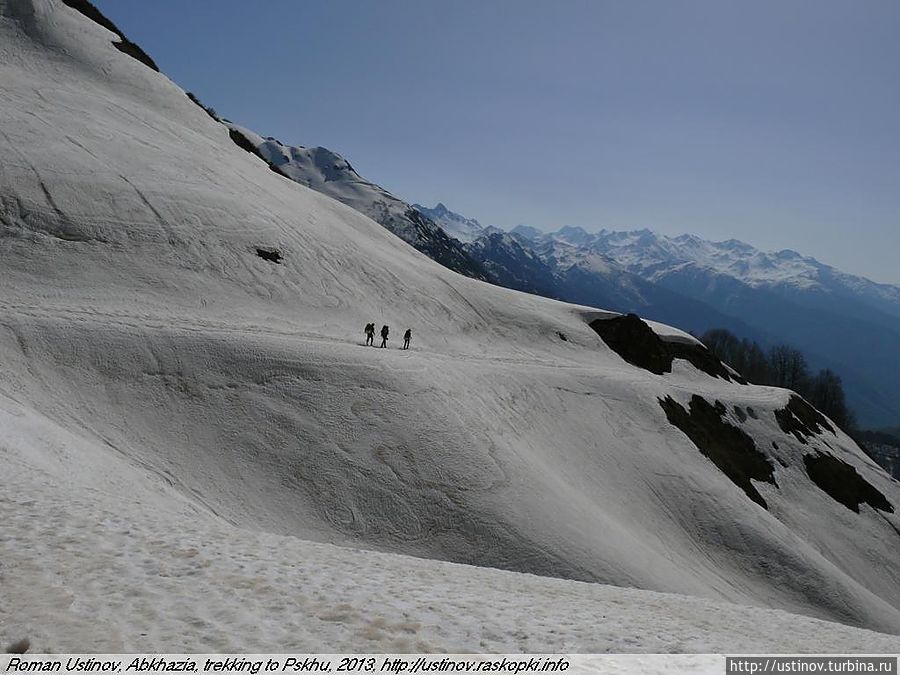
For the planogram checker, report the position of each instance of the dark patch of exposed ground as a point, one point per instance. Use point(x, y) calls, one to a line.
point(124, 45)
point(802, 420)
point(727, 446)
point(632, 339)
point(843, 483)
point(270, 254)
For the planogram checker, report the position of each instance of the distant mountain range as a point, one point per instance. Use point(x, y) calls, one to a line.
point(844, 322)
point(464, 229)
point(486, 253)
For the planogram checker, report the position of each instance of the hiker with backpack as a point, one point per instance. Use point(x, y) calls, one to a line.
point(384, 335)
point(406, 338)
point(370, 334)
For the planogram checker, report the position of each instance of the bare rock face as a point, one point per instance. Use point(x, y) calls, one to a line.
point(843, 483)
point(124, 45)
point(802, 420)
point(632, 339)
point(728, 447)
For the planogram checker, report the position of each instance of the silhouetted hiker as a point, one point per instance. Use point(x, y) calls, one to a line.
point(384, 335)
point(370, 334)
point(406, 336)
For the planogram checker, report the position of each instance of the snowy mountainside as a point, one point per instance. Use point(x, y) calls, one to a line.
point(844, 322)
point(465, 229)
point(643, 251)
point(519, 261)
point(655, 256)
point(513, 266)
point(327, 172)
point(192, 583)
point(184, 391)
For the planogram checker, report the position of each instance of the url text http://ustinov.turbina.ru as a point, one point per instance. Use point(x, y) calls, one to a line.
point(759, 665)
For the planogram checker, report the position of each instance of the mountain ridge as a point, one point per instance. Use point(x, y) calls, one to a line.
point(842, 321)
point(325, 171)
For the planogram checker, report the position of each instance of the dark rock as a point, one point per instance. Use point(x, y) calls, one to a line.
point(272, 255)
point(124, 45)
point(244, 143)
point(802, 420)
point(632, 339)
point(133, 50)
point(19, 647)
point(843, 483)
point(727, 446)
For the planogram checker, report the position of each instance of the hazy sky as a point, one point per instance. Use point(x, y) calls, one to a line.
point(775, 122)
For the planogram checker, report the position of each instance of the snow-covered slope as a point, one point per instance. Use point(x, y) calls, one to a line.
point(138, 567)
point(327, 172)
point(186, 404)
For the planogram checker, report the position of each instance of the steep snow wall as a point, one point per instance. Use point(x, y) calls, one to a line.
point(137, 316)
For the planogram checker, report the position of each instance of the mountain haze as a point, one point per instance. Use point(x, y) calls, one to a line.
point(519, 260)
point(842, 321)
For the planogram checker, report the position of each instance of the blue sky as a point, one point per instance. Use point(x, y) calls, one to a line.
point(775, 122)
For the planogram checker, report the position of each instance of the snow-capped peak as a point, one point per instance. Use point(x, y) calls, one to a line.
point(464, 229)
point(527, 232)
point(652, 254)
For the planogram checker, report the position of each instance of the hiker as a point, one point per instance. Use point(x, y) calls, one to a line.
point(384, 335)
point(370, 334)
point(406, 336)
